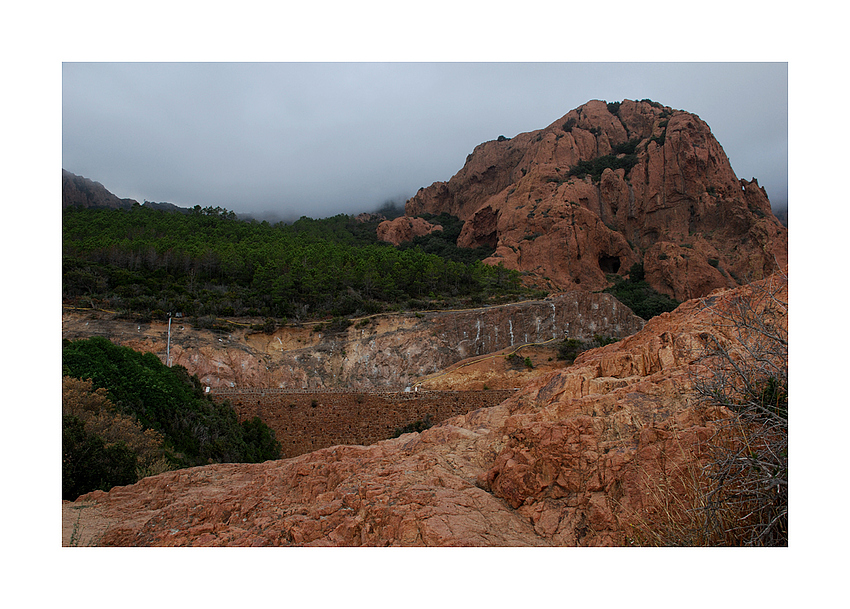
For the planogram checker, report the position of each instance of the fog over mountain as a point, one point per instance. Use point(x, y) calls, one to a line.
point(282, 140)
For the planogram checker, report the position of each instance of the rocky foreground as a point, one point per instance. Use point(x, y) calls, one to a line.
point(577, 457)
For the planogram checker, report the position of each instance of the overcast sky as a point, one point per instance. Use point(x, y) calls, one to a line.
point(318, 139)
point(131, 129)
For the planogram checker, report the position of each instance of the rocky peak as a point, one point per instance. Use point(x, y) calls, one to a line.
point(608, 185)
point(82, 192)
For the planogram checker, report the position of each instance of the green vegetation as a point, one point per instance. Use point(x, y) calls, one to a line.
point(444, 243)
point(206, 264)
point(613, 107)
point(517, 361)
point(659, 139)
point(570, 349)
point(135, 405)
point(637, 294)
point(417, 426)
point(595, 167)
point(89, 464)
point(626, 147)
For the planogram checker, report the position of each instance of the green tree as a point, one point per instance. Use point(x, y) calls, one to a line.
point(196, 428)
point(639, 296)
point(88, 464)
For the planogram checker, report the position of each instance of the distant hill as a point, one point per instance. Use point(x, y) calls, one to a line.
point(83, 192)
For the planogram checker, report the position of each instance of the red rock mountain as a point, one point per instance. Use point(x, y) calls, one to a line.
point(608, 185)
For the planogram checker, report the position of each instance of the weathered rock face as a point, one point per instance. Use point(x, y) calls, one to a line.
point(384, 352)
point(82, 192)
point(674, 189)
point(405, 229)
point(575, 458)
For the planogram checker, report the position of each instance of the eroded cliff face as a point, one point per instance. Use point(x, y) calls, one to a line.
point(577, 457)
point(674, 203)
point(382, 352)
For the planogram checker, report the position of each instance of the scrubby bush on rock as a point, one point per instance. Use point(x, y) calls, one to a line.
point(160, 415)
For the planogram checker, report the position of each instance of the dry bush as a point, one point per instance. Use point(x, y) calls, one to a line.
point(101, 418)
point(747, 374)
point(733, 491)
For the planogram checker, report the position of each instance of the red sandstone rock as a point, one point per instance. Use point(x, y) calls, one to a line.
point(516, 196)
point(405, 229)
point(572, 459)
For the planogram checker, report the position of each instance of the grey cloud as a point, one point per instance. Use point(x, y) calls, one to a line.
point(318, 139)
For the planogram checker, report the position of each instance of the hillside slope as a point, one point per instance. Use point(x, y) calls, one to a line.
point(574, 458)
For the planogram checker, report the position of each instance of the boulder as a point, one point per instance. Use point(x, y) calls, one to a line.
point(404, 229)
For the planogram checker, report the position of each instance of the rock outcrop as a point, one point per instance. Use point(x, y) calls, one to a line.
point(404, 229)
point(381, 352)
point(608, 185)
point(81, 192)
point(577, 457)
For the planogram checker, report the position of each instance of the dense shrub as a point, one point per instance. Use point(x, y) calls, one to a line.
point(444, 243)
point(595, 167)
point(636, 293)
point(88, 464)
point(195, 428)
point(571, 348)
point(208, 264)
point(416, 426)
point(517, 361)
point(101, 418)
point(626, 147)
point(261, 442)
point(654, 104)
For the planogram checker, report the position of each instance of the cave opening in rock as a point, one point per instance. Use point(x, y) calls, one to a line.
point(609, 264)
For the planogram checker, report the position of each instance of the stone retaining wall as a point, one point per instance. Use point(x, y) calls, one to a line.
point(307, 421)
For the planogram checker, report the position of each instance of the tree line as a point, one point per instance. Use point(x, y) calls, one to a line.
point(208, 262)
point(126, 415)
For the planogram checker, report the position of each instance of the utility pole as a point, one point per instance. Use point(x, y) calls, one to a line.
point(168, 344)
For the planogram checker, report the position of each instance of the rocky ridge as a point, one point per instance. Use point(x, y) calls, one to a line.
point(386, 352)
point(609, 185)
point(574, 458)
point(83, 192)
